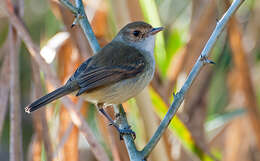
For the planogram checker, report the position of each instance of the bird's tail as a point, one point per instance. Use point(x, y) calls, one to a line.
point(62, 91)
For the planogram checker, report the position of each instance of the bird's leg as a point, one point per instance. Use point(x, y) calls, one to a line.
point(121, 131)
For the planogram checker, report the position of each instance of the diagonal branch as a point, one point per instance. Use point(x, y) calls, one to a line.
point(39, 117)
point(134, 154)
point(83, 21)
point(201, 61)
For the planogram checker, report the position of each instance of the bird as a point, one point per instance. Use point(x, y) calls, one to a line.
point(118, 72)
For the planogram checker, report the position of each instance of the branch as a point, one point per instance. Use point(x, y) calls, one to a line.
point(84, 23)
point(201, 61)
point(39, 117)
point(81, 17)
point(15, 110)
point(76, 117)
point(16, 143)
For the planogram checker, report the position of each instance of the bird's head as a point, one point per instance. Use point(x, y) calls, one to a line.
point(138, 34)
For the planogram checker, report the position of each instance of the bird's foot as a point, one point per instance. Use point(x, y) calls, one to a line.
point(122, 131)
point(126, 131)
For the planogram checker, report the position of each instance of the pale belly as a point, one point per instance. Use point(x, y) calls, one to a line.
point(120, 92)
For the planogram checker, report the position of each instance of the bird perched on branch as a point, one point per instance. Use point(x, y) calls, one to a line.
point(118, 72)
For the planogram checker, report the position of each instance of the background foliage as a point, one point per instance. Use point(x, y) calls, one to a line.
point(219, 114)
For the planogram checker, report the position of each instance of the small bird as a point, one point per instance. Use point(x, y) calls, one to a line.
point(118, 72)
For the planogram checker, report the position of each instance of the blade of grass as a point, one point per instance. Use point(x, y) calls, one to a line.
point(214, 126)
point(151, 15)
point(219, 120)
point(178, 128)
point(5, 89)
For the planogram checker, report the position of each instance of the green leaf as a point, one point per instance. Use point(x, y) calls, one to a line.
point(43, 153)
point(151, 16)
point(173, 43)
point(178, 128)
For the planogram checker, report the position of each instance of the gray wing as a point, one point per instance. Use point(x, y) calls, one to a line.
point(97, 73)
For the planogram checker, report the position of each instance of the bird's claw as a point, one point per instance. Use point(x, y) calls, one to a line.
point(126, 131)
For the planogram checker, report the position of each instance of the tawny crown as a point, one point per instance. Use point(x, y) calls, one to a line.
point(137, 31)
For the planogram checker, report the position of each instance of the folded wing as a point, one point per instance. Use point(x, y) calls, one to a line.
point(116, 64)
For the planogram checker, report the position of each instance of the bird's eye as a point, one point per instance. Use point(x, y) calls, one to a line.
point(136, 33)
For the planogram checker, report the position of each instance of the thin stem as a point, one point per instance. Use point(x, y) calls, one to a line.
point(178, 99)
point(85, 25)
point(16, 152)
point(4, 80)
point(16, 143)
point(39, 117)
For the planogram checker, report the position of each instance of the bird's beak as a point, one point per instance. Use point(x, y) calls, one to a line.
point(155, 30)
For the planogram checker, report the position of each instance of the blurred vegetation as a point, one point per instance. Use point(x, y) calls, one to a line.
point(226, 119)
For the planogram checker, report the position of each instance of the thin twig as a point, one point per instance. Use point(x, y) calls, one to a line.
point(77, 118)
point(16, 153)
point(194, 72)
point(113, 141)
point(66, 134)
point(16, 143)
point(83, 21)
point(5, 88)
point(39, 117)
point(196, 94)
point(76, 35)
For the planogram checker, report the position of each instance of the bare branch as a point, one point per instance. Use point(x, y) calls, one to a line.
point(39, 117)
point(16, 150)
point(202, 60)
point(16, 153)
point(84, 23)
point(194, 72)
